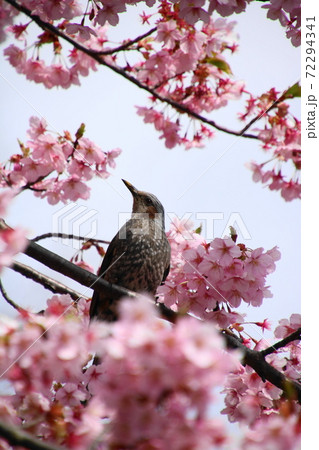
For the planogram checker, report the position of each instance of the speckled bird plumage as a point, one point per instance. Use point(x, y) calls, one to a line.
point(138, 256)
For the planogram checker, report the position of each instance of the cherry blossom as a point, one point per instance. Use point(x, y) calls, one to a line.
point(69, 164)
point(155, 383)
point(274, 431)
point(7, 14)
point(209, 279)
point(278, 9)
point(248, 398)
point(11, 243)
point(287, 327)
point(282, 137)
point(149, 377)
point(181, 63)
point(167, 350)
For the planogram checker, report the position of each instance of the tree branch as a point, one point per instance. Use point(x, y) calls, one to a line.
point(272, 106)
point(127, 44)
point(97, 57)
point(65, 267)
point(46, 281)
point(67, 236)
point(295, 336)
point(15, 436)
point(7, 298)
point(256, 360)
point(252, 358)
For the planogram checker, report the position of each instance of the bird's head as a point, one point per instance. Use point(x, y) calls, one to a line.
point(146, 203)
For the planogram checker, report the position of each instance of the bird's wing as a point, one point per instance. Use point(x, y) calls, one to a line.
point(166, 272)
point(114, 251)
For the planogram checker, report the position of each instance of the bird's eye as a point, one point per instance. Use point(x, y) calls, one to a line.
point(148, 201)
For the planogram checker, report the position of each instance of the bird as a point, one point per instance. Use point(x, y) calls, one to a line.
point(137, 258)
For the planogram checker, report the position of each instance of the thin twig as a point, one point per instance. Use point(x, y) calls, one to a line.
point(68, 236)
point(46, 281)
point(127, 44)
point(178, 106)
point(260, 115)
point(295, 336)
point(7, 298)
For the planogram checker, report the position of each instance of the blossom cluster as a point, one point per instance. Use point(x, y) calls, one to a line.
point(248, 399)
point(184, 64)
point(58, 74)
point(278, 431)
point(56, 167)
point(210, 279)
point(188, 67)
point(292, 351)
point(289, 15)
point(42, 358)
point(281, 137)
point(153, 383)
point(7, 14)
point(181, 63)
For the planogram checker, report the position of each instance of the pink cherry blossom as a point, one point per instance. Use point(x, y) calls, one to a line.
point(155, 384)
point(289, 15)
point(85, 266)
point(7, 14)
point(286, 327)
point(259, 264)
point(85, 32)
point(33, 170)
point(73, 189)
point(80, 168)
point(69, 163)
point(221, 274)
point(248, 397)
point(111, 155)
point(6, 197)
point(224, 250)
point(12, 241)
point(274, 431)
point(37, 127)
point(227, 7)
point(168, 34)
point(110, 11)
point(171, 292)
point(58, 304)
point(70, 395)
point(58, 75)
point(191, 14)
point(143, 384)
point(88, 152)
point(16, 57)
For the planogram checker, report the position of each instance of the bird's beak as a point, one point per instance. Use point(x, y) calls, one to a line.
point(131, 188)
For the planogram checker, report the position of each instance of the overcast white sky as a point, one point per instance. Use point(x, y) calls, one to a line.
point(105, 103)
